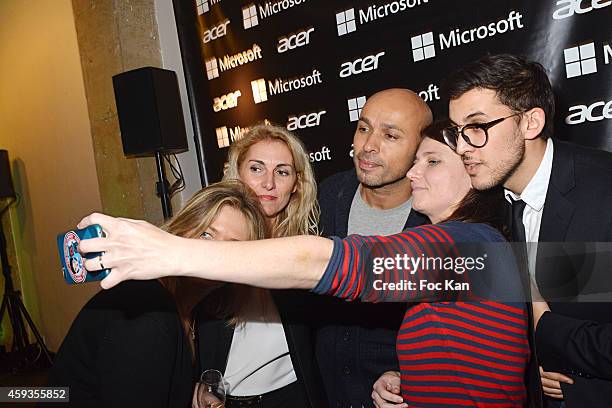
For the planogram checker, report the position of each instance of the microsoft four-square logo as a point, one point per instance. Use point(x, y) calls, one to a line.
point(202, 6)
point(580, 60)
point(345, 22)
point(212, 69)
point(260, 93)
point(249, 16)
point(354, 107)
point(423, 47)
point(222, 137)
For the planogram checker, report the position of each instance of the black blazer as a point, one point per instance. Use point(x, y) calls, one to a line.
point(355, 342)
point(214, 339)
point(578, 208)
point(126, 348)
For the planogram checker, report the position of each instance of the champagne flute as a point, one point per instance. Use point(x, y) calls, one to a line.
point(211, 389)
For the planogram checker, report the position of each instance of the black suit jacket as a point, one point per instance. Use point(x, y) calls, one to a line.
point(578, 208)
point(214, 339)
point(355, 342)
point(126, 348)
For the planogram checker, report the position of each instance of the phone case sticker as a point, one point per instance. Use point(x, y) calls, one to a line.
point(72, 258)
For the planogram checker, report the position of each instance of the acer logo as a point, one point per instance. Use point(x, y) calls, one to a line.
point(217, 31)
point(360, 65)
point(593, 113)
point(294, 41)
point(571, 7)
point(305, 121)
point(226, 101)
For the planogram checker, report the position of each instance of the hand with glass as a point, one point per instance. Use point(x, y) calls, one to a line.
point(210, 390)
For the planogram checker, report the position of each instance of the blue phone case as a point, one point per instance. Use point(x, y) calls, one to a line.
point(72, 260)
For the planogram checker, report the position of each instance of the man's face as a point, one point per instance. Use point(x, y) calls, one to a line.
point(492, 164)
point(385, 141)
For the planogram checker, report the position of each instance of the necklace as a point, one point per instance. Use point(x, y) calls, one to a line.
point(192, 329)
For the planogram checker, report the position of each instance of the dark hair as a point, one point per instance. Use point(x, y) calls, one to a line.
point(521, 85)
point(486, 206)
point(483, 206)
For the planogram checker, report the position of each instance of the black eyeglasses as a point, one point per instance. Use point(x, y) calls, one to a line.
point(475, 134)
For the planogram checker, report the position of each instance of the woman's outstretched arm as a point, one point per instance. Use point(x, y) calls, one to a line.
point(135, 249)
point(349, 268)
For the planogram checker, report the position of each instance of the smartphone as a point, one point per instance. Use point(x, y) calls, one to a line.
point(72, 260)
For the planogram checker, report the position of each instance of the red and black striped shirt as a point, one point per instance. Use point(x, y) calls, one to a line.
point(451, 354)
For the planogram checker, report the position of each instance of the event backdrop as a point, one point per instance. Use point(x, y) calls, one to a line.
point(310, 64)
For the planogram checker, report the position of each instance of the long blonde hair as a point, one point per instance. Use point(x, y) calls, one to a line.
point(195, 218)
point(301, 215)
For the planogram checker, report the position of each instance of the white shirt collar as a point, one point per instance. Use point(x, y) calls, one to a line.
point(534, 194)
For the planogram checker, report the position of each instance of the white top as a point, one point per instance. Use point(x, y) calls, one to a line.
point(258, 360)
point(534, 196)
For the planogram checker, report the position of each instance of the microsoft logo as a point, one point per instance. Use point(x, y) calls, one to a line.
point(345, 21)
point(423, 46)
point(222, 137)
point(227, 135)
point(354, 107)
point(249, 16)
point(580, 60)
point(260, 93)
point(212, 70)
point(202, 6)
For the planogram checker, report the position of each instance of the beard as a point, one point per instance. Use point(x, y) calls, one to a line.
point(503, 169)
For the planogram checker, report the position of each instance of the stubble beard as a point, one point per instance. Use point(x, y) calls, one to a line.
point(505, 168)
point(377, 181)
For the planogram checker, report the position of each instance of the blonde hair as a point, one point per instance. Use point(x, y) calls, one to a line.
point(301, 215)
point(202, 208)
point(195, 218)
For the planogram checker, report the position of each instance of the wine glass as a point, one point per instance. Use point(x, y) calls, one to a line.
point(211, 390)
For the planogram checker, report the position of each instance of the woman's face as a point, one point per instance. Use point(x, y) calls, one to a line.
point(269, 170)
point(230, 224)
point(438, 180)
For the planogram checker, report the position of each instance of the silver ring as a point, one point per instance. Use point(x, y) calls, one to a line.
point(100, 261)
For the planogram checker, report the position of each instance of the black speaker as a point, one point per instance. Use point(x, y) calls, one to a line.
point(150, 113)
point(6, 182)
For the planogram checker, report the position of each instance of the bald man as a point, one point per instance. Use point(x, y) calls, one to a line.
point(356, 342)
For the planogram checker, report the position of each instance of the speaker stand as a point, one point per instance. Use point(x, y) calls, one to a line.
point(17, 311)
point(163, 186)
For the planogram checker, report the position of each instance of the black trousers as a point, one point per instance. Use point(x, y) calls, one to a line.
point(290, 396)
